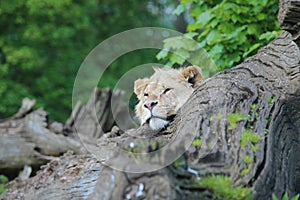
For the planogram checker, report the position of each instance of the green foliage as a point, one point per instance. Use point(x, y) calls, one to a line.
point(180, 162)
point(183, 50)
point(248, 159)
point(229, 30)
point(42, 44)
point(249, 136)
point(197, 142)
point(245, 171)
point(233, 118)
point(222, 188)
point(271, 101)
point(3, 180)
point(252, 107)
point(285, 197)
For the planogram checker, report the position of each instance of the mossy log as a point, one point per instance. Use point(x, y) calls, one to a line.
point(246, 126)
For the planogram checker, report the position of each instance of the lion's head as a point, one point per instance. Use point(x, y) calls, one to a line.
point(161, 95)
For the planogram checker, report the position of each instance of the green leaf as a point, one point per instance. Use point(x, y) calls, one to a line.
point(232, 6)
point(213, 37)
point(252, 49)
point(267, 36)
point(285, 197)
point(2, 188)
point(162, 54)
point(179, 9)
point(274, 197)
point(177, 59)
point(296, 197)
point(181, 43)
point(185, 1)
point(3, 179)
point(205, 17)
point(191, 35)
point(194, 26)
point(217, 49)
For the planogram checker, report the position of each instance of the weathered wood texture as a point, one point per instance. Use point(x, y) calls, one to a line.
point(263, 91)
point(29, 139)
point(289, 14)
point(96, 117)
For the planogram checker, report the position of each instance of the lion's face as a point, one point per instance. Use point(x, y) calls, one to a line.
point(161, 95)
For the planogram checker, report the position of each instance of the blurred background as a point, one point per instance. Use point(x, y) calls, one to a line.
point(43, 42)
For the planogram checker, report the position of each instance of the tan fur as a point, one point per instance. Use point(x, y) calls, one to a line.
point(167, 89)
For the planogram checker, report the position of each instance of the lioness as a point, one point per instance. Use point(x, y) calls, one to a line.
point(161, 95)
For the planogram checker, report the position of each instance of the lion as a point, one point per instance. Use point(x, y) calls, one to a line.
point(163, 94)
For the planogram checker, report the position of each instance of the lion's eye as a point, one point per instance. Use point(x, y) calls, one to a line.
point(167, 90)
point(146, 94)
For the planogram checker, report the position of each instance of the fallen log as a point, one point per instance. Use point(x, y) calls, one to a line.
point(245, 126)
point(28, 138)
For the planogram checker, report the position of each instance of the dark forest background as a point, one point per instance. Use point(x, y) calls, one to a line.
point(43, 42)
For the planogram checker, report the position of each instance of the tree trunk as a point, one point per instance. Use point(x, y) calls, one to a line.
point(243, 123)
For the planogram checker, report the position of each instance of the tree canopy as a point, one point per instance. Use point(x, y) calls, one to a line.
point(229, 30)
point(42, 43)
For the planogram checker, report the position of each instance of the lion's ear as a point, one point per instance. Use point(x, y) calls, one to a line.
point(193, 74)
point(139, 85)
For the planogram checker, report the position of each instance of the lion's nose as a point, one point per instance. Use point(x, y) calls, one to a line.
point(150, 104)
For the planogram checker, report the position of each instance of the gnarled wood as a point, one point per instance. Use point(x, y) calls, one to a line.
point(264, 96)
point(96, 117)
point(289, 14)
point(28, 139)
point(262, 90)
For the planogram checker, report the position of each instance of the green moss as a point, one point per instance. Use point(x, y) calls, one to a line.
point(197, 142)
point(216, 117)
point(256, 116)
point(271, 100)
point(180, 162)
point(252, 107)
point(285, 197)
point(249, 136)
point(248, 159)
point(233, 118)
point(222, 188)
point(254, 148)
point(245, 171)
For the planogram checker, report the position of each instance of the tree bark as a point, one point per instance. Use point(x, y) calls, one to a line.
point(28, 138)
point(250, 111)
point(96, 117)
point(289, 14)
point(265, 90)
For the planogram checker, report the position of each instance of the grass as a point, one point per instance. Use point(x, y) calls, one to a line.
point(222, 188)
